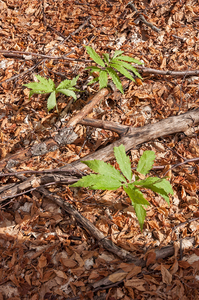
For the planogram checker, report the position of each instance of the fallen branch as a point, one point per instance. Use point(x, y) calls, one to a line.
point(88, 107)
point(171, 73)
point(134, 137)
point(92, 230)
point(139, 135)
point(143, 69)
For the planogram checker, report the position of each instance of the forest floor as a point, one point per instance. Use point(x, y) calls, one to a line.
point(45, 253)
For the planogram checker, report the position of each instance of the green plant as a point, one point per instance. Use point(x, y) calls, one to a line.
point(46, 86)
point(117, 62)
point(111, 179)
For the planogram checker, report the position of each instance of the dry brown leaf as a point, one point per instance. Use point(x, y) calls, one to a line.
point(117, 276)
point(42, 261)
point(136, 283)
point(60, 274)
point(166, 275)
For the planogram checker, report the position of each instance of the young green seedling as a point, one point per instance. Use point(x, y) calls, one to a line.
point(108, 66)
point(108, 178)
point(46, 86)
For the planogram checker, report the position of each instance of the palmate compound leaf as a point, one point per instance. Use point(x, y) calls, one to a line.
point(97, 59)
point(115, 78)
point(103, 79)
point(122, 70)
point(146, 162)
point(123, 161)
point(45, 86)
point(104, 169)
point(98, 182)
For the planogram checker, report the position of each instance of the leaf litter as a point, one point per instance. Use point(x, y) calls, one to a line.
point(45, 253)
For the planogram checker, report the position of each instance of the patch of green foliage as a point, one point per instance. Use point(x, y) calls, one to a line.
point(118, 62)
point(47, 86)
point(108, 65)
point(108, 178)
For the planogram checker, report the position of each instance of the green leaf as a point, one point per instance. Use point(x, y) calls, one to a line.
point(44, 81)
point(157, 185)
point(67, 92)
point(115, 78)
point(123, 71)
point(123, 161)
point(140, 213)
point(130, 59)
point(128, 66)
point(165, 185)
point(106, 57)
point(68, 83)
point(91, 52)
point(105, 169)
point(103, 79)
point(146, 162)
point(98, 182)
point(64, 84)
point(32, 92)
point(74, 89)
point(45, 86)
point(135, 195)
point(135, 71)
point(51, 102)
point(93, 80)
point(93, 69)
point(147, 182)
point(74, 81)
point(117, 52)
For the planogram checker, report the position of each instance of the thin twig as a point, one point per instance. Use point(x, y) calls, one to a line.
point(153, 27)
point(143, 69)
point(45, 56)
point(184, 223)
point(22, 74)
point(186, 161)
point(143, 18)
point(40, 55)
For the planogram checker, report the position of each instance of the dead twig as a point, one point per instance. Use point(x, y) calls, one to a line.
point(186, 161)
point(153, 27)
point(171, 73)
point(39, 55)
point(143, 18)
point(22, 74)
point(88, 107)
point(134, 137)
point(184, 223)
point(93, 231)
